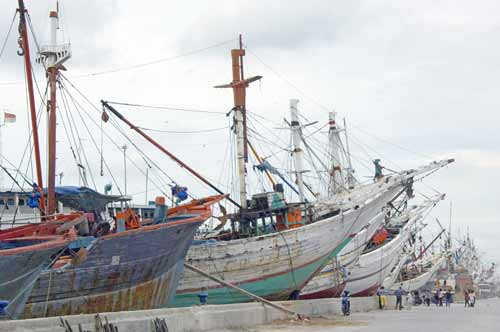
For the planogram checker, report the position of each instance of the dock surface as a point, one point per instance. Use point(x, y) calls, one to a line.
point(484, 317)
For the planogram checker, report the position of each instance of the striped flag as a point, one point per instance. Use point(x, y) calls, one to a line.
point(9, 117)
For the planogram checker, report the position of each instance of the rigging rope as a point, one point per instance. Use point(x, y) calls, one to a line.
point(183, 132)
point(296, 88)
point(153, 62)
point(117, 147)
point(118, 128)
point(4, 44)
point(170, 108)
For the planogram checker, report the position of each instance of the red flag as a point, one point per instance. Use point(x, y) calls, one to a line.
point(9, 117)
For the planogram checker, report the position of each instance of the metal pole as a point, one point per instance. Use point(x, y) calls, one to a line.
point(241, 290)
point(146, 194)
point(124, 147)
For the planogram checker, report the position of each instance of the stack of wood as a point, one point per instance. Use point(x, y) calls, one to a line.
point(159, 325)
point(99, 325)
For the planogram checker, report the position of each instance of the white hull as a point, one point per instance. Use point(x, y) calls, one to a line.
point(328, 279)
point(420, 281)
point(373, 267)
point(273, 265)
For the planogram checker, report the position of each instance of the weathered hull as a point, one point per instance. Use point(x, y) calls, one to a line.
point(328, 282)
point(418, 282)
point(390, 280)
point(133, 270)
point(19, 271)
point(373, 267)
point(274, 265)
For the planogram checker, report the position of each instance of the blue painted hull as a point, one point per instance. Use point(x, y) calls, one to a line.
point(133, 270)
point(18, 274)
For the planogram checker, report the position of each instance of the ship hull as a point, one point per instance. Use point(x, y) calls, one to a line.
point(20, 268)
point(283, 262)
point(134, 270)
point(329, 283)
point(418, 282)
point(374, 267)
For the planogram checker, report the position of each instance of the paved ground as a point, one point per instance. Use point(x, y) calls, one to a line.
point(485, 317)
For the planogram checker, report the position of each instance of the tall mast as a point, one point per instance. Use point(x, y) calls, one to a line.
point(53, 56)
point(350, 170)
point(336, 179)
point(297, 150)
point(239, 86)
point(23, 31)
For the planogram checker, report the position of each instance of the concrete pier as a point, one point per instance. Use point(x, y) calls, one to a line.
point(254, 317)
point(197, 318)
point(485, 317)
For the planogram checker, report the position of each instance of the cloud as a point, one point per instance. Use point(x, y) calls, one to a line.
point(422, 75)
point(482, 159)
point(272, 24)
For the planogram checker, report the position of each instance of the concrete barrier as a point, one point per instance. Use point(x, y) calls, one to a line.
point(198, 318)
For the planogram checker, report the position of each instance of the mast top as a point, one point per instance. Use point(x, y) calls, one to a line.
point(54, 54)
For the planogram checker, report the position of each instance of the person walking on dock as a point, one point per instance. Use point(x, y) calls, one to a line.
point(466, 297)
point(203, 296)
point(382, 298)
point(440, 297)
point(399, 297)
point(448, 298)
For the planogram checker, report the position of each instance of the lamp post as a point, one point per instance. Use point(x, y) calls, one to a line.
point(124, 148)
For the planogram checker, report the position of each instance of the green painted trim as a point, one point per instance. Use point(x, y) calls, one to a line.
point(275, 288)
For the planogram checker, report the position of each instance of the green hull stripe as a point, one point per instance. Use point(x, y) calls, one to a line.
point(276, 288)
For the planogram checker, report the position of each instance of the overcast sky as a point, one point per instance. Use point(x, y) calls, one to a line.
point(421, 75)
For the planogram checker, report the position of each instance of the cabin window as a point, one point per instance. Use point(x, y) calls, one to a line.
point(2, 201)
point(10, 201)
point(21, 202)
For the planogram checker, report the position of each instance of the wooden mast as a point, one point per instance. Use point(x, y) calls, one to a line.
point(165, 151)
point(24, 44)
point(52, 71)
point(239, 85)
point(53, 56)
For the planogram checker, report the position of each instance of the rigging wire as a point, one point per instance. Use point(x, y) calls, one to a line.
point(170, 108)
point(74, 143)
point(4, 44)
point(72, 119)
point(314, 101)
point(153, 62)
point(391, 143)
point(157, 186)
point(288, 82)
point(136, 66)
point(119, 129)
point(184, 132)
point(93, 141)
point(28, 145)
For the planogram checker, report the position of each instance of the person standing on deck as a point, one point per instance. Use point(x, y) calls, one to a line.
point(399, 297)
point(466, 297)
point(378, 170)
